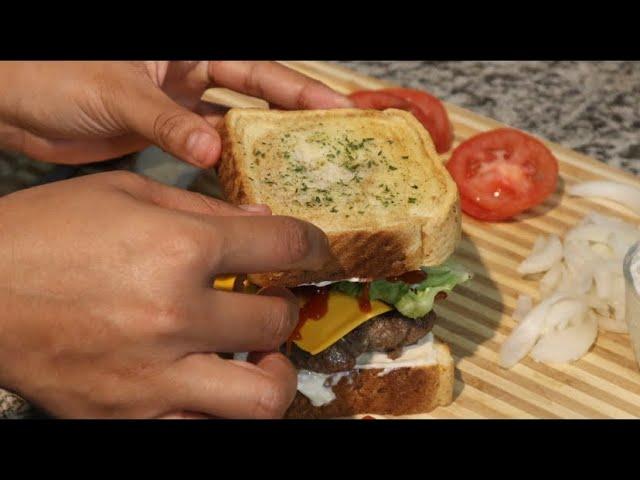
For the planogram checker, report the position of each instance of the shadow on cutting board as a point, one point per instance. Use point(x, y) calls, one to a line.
point(548, 205)
point(470, 316)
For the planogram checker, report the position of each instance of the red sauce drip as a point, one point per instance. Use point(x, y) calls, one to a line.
point(363, 299)
point(441, 295)
point(314, 308)
point(368, 417)
point(412, 277)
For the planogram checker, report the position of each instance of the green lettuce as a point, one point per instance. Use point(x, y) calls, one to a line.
point(412, 300)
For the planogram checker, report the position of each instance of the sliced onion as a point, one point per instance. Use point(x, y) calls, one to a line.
point(609, 324)
point(590, 232)
point(526, 334)
point(539, 244)
point(580, 263)
point(621, 193)
point(543, 259)
point(603, 250)
point(564, 311)
point(583, 290)
point(599, 305)
point(551, 279)
point(618, 299)
point(604, 282)
point(568, 344)
point(524, 304)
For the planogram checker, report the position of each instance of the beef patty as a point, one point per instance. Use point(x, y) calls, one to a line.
point(388, 332)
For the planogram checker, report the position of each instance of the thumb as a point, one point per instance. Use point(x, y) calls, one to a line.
point(182, 133)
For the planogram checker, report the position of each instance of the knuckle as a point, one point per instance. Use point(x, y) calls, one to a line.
point(282, 318)
point(167, 127)
point(303, 98)
point(168, 318)
point(252, 81)
point(105, 398)
point(182, 247)
point(294, 242)
point(272, 401)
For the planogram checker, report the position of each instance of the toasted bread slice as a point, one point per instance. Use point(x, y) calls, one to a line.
point(371, 180)
point(404, 391)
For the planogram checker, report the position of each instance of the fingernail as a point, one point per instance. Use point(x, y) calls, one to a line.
point(343, 102)
point(203, 148)
point(261, 209)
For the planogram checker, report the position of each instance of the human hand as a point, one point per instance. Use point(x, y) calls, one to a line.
point(107, 305)
point(79, 112)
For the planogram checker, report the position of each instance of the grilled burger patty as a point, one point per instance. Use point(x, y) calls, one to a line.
point(388, 332)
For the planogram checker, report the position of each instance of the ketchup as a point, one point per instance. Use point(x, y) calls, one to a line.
point(412, 277)
point(363, 299)
point(314, 308)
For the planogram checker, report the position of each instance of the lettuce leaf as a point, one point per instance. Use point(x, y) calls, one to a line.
point(413, 301)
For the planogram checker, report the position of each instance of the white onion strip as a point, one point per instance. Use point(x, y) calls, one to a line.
point(543, 259)
point(524, 304)
point(583, 290)
point(526, 334)
point(621, 193)
point(568, 344)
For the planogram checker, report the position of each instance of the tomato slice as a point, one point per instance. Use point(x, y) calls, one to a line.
point(502, 173)
point(431, 113)
point(425, 107)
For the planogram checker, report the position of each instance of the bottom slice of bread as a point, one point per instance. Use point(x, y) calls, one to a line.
point(402, 391)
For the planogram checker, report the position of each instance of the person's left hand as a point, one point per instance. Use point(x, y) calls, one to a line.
point(79, 112)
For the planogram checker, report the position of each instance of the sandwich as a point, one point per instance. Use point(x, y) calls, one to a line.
point(373, 182)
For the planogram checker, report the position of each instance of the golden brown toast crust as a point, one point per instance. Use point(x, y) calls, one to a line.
point(365, 253)
point(403, 391)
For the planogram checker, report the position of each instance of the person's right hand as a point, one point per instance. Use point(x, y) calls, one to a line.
point(107, 305)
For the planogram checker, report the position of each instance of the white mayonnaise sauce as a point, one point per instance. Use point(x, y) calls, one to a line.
point(324, 284)
point(317, 387)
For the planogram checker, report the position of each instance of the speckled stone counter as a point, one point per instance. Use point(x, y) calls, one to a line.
point(591, 107)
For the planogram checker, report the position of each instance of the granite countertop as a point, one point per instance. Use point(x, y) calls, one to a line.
point(592, 107)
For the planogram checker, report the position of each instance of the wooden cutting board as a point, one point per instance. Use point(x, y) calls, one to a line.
point(476, 319)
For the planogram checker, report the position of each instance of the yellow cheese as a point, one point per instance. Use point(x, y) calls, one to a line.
point(225, 283)
point(343, 315)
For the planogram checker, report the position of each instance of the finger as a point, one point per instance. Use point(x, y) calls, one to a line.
point(212, 114)
point(268, 244)
point(74, 152)
point(276, 84)
point(205, 109)
point(178, 199)
point(232, 389)
point(228, 322)
point(185, 416)
point(155, 116)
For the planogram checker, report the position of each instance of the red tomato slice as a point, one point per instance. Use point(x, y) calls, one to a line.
point(426, 108)
point(432, 115)
point(502, 173)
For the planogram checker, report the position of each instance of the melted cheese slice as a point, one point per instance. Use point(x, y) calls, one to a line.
point(225, 283)
point(343, 315)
